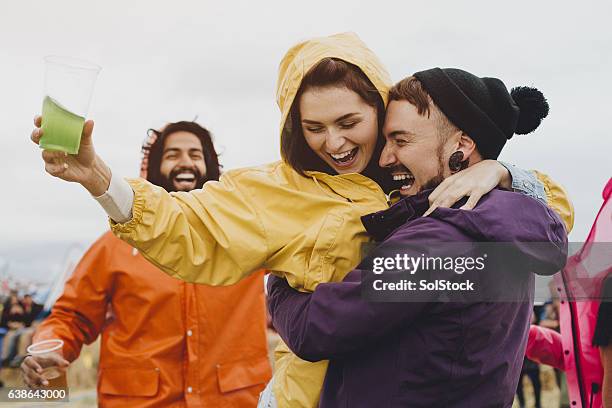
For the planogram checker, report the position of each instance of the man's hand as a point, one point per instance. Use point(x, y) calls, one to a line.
point(33, 366)
point(475, 181)
point(85, 168)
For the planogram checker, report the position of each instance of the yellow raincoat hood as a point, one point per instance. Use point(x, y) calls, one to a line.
point(302, 57)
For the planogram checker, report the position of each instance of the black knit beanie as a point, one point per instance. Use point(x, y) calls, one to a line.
point(483, 108)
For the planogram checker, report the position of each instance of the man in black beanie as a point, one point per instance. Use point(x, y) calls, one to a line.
point(478, 114)
point(454, 337)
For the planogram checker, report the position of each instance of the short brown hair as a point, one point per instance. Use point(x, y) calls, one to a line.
point(329, 72)
point(411, 90)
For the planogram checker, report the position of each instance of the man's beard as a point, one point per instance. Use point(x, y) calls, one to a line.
point(168, 182)
point(432, 183)
point(438, 178)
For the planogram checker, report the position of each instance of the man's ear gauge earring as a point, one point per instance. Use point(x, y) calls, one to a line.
point(456, 163)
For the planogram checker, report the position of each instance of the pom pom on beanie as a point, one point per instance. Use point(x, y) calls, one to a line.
point(533, 108)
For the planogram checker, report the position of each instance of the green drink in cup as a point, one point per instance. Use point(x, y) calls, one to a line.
point(69, 84)
point(61, 128)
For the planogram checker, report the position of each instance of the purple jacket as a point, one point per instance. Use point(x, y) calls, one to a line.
point(426, 354)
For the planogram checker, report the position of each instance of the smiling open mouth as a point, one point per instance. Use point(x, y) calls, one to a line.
point(346, 158)
point(185, 178)
point(404, 179)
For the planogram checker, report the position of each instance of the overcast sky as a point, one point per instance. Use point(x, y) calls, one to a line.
point(168, 61)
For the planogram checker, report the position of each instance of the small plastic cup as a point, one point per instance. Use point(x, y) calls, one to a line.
point(56, 376)
point(69, 85)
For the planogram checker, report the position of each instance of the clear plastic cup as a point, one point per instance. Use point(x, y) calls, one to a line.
point(56, 376)
point(69, 85)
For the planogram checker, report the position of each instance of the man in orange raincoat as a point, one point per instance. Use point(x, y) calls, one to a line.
point(165, 342)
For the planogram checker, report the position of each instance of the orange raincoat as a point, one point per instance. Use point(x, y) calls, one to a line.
point(168, 343)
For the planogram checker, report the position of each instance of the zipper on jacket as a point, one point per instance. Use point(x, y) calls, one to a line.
point(575, 343)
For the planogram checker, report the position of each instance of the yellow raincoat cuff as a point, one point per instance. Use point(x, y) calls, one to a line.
point(138, 185)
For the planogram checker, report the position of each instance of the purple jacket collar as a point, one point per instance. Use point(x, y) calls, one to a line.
point(382, 223)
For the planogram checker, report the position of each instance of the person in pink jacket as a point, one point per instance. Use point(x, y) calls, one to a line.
point(583, 348)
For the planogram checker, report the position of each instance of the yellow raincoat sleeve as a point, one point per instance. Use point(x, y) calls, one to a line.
point(558, 200)
point(213, 236)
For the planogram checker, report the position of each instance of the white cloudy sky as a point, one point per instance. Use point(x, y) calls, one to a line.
point(167, 61)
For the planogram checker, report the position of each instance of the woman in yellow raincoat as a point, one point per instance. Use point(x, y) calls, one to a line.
point(299, 217)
